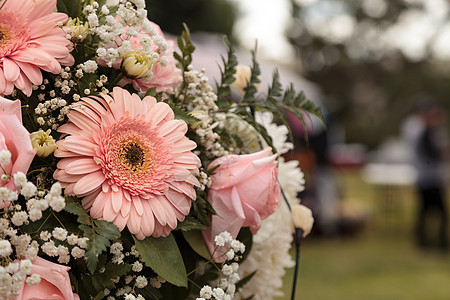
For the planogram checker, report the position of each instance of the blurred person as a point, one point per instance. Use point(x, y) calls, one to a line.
point(425, 133)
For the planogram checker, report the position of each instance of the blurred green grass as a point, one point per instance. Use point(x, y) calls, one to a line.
point(381, 261)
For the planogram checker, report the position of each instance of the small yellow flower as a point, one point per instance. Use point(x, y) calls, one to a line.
point(77, 30)
point(137, 65)
point(43, 142)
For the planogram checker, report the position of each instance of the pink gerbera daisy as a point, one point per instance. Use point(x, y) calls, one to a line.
point(130, 161)
point(30, 40)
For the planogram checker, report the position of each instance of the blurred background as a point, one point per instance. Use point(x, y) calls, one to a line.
point(377, 176)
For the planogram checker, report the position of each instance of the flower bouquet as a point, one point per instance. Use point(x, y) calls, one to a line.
point(125, 174)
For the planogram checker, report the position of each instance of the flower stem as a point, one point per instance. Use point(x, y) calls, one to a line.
point(298, 240)
point(3, 4)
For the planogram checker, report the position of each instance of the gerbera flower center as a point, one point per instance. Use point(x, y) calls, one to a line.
point(133, 155)
point(14, 32)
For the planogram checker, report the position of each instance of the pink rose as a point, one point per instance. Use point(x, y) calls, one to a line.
point(16, 139)
point(54, 285)
point(243, 192)
point(165, 78)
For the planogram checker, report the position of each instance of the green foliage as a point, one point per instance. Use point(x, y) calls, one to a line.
point(78, 210)
point(251, 89)
point(104, 280)
point(201, 208)
point(186, 47)
point(190, 223)
point(69, 7)
point(164, 257)
point(226, 74)
point(195, 240)
point(100, 233)
point(245, 236)
point(151, 92)
point(182, 114)
point(277, 100)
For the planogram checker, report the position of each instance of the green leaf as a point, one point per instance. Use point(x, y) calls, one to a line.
point(69, 7)
point(251, 90)
point(100, 235)
point(77, 209)
point(186, 47)
point(104, 280)
point(190, 223)
point(182, 114)
point(201, 209)
point(99, 296)
point(164, 257)
point(227, 73)
point(151, 92)
point(245, 236)
point(195, 240)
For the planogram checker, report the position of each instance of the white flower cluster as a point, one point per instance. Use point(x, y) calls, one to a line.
point(62, 244)
point(138, 280)
point(226, 288)
point(16, 247)
point(201, 102)
point(44, 110)
point(13, 275)
point(204, 179)
point(116, 30)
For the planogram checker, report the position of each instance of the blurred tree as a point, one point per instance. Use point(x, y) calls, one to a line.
point(373, 58)
point(199, 15)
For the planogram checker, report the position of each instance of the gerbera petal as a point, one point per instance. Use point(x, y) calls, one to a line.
point(44, 7)
point(161, 110)
point(158, 210)
point(23, 84)
point(184, 188)
point(2, 82)
point(121, 221)
point(89, 200)
point(184, 145)
point(180, 201)
point(79, 146)
point(98, 205)
point(148, 220)
point(83, 121)
point(89, 182)
point(62, 175)
point(82, 166)
point(108, 212)
point(32, 72)
point(10, 69)
point(125, 209)
point(134, 222)
point(116, 200)
point(136, 200)
point(171, 218)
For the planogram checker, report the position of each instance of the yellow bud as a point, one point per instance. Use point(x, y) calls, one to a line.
point(302, 218)
point(77, 30)
point(137, 65)
point(43, 142)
